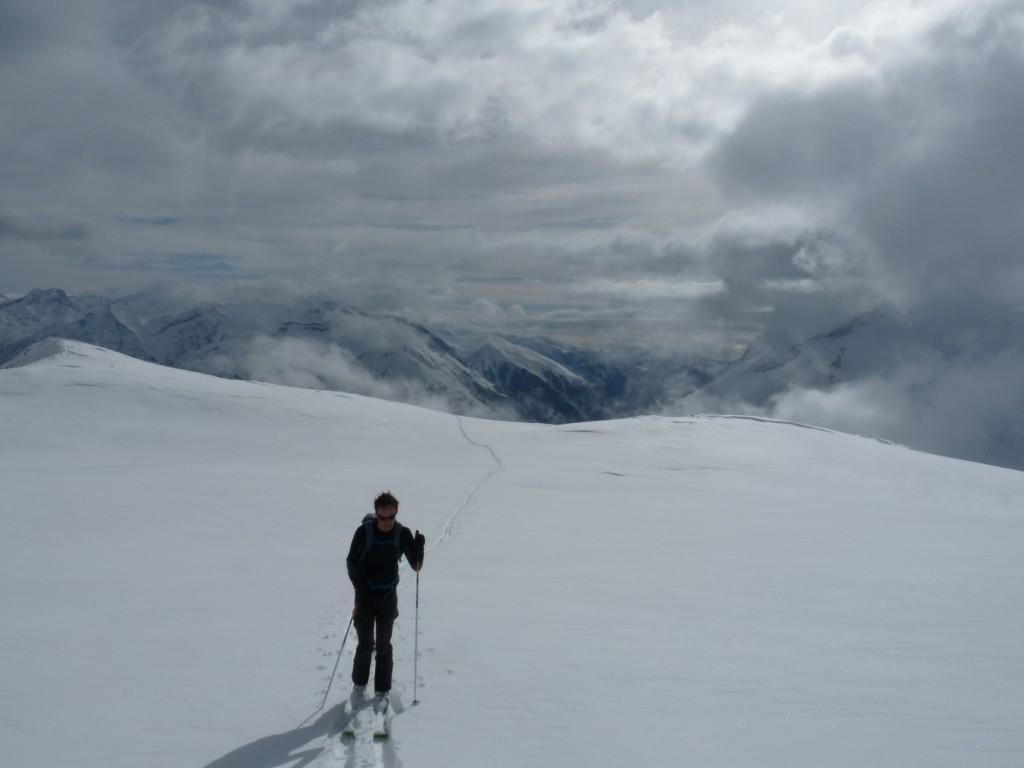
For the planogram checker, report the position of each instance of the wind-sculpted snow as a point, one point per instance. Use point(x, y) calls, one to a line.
point(654, 591)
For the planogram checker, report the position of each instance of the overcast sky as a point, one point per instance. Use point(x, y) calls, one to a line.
point(688, 172)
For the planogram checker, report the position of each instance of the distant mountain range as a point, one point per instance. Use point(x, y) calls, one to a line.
point(321, 344)
point(909, 378)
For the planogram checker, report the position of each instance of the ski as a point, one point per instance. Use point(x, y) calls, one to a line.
point(349, 731)
point(381, 718)
point(350, 713)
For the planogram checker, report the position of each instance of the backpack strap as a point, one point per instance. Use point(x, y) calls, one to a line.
point(368, 528)
point(369, 542)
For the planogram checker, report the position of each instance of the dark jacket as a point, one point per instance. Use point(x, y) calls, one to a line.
point(375, 568)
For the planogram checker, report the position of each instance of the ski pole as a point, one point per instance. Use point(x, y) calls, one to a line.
point(416, 644)
point(335, 671)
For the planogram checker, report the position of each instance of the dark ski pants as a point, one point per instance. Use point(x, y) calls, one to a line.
point(374, 622)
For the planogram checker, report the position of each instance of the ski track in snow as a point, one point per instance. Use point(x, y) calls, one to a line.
point(451, 525)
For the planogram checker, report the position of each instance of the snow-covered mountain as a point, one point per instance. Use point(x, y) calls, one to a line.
point(866, 344)
point(310, 343)
point(321, 344)
point(41, 314)
point(922, 377)
point(714, 591)
point(626, 382)
point(544, 389)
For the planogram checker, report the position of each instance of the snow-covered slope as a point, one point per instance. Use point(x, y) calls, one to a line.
point(711, 591)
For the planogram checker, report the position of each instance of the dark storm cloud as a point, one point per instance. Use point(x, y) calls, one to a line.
point(902, 188)
point(949, 211)
point(920, 164)
point(796, 144)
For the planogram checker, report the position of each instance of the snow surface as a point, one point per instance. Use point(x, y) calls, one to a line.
point(707, 591)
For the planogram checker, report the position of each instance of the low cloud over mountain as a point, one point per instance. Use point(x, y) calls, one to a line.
point(321, 344)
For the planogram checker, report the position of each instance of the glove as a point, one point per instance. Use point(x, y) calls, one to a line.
point(419, 541)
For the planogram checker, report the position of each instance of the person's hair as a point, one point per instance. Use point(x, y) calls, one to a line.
point(385, 500)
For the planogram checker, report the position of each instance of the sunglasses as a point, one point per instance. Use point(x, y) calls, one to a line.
point(387, 518)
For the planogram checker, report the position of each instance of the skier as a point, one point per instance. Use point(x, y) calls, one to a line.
point(377, 546)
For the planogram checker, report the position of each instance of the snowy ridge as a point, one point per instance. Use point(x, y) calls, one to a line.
point(495, 350)
point(172, 575)
point(41, 350)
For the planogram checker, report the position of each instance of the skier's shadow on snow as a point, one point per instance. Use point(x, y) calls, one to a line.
point(284, 748)
point(303, 744)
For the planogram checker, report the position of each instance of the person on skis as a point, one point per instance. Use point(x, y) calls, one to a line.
point(377, 546)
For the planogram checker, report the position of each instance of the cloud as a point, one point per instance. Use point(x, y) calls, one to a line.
point(561, 73)
point(309, 364)
point(46, 231)
point(644, 290)
point(941, 378)
point(911, 160)
point(432, 139)
point(967, 407)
